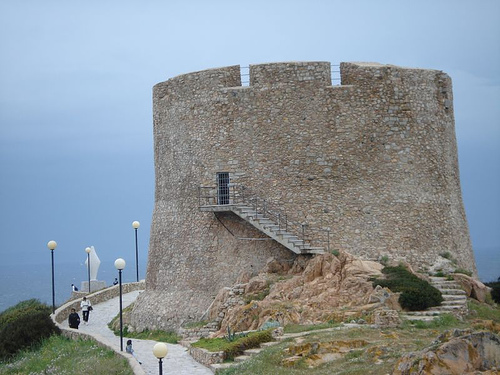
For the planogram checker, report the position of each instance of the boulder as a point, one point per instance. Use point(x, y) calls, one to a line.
point(383, 318)
point(474, 288)
point(471, 353)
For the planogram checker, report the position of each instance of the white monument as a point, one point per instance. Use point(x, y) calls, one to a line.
point(95, 262)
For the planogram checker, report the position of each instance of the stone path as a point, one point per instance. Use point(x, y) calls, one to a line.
point(177, 362)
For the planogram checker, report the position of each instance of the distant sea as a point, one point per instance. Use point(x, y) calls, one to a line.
point(19, 283)
point(22, 282)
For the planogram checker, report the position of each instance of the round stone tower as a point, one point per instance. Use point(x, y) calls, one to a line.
point(369, 167)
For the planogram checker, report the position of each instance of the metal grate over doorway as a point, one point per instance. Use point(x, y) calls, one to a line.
point(223, 188)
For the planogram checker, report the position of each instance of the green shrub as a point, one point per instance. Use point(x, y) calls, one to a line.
point(234, 348)
point(495, 292)
point(257, 296)
point(465, 272)
point(446, 255)
point(416, 294)
point(24, 325)
point(253, 340)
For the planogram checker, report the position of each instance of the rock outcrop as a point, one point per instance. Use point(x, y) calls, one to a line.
point(455, 353)
point(319, 289)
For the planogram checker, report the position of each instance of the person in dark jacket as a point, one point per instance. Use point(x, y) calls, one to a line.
point(74, 319)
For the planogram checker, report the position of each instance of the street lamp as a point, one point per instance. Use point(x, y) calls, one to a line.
point(120, 265)
point(87, 250)
point(136, 226)
point(52, 245)
point(160, 351)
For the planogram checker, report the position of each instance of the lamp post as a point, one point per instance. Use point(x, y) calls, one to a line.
point(160, 351)
point(52, 245)
point(87, 250)
point(120, 265)
point(136, 226)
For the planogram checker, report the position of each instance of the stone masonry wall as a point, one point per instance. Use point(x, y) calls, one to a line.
point(374, 160)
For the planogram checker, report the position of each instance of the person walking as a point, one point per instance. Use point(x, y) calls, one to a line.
point(74, 319)
point(130, 350)
point(86, 307)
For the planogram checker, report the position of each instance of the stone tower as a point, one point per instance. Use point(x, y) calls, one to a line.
point(369, 167)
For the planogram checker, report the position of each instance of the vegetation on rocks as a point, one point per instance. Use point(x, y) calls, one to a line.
point(324, 352)
point(23, 326)
point(234, 347)
point(416, 294)
point(495, 290)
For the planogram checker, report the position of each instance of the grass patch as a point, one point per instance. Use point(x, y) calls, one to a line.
point(234, 348)
point(440, 321)
point(463, 271)
point(297, 328)
point(484, 311)
point(59, 355)
point(384, 349)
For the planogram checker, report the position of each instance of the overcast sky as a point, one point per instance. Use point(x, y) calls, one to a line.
point(76, 145)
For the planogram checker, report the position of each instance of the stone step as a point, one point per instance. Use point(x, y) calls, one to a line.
point(453, 292)
point(266, 344)
point(425, 318)
point(272, 227)
point(446, 286)
point(453, 303)
point(444, 308)
point(438, 278)
point(455, 297)
point(218, 367)
point(423, 313)
point(252, 351)
point(241, 358)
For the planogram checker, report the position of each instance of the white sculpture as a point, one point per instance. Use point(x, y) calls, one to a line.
point(95, 262)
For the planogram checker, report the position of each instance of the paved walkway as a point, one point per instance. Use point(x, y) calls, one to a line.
point(177, 362)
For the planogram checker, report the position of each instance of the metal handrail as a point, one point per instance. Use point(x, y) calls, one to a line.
point(239, 194)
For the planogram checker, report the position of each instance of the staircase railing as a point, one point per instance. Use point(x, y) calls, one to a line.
point(241, 195)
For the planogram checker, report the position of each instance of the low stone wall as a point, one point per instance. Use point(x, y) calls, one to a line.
point(63, 312)
point(205, 357)
point(192, 334)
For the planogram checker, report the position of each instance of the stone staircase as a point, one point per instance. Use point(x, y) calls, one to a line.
point(454, 301)
point(273, 229)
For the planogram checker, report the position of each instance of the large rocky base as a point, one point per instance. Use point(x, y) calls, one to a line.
point(310, 290)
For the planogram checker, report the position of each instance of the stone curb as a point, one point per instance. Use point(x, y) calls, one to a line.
point(102, 295)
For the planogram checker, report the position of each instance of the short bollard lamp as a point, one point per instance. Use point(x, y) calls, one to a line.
point(88, 250)
point(160, 351)
point(52, 245)
point(136, 226)
point(120, 265)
